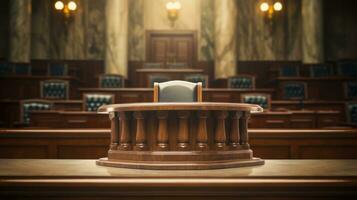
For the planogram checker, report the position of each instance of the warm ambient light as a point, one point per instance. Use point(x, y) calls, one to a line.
point(59, 5)
point(173, 8)
point(278, 6)
point(264, 6)
point(72, 5)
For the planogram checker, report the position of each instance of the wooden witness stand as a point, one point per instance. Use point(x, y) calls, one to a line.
point(179, 135)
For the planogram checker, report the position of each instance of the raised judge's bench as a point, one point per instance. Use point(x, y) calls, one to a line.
point(179, 135)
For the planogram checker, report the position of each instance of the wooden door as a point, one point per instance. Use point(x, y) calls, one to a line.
point(169, 47)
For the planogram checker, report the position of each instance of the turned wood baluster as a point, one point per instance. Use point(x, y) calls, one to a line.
point(124, 132)
point(162, 136)
point(114, 133)
point(244, 128)
point(140, 137)
point(220, 133)
point(183, 134)
point(235, 131)
point(202, 136)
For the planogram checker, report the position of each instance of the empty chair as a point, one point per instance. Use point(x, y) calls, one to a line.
point(22, 69)
point(92, 101)
point(347, 68)
point(26, 106)
point(263, 100)
point(351, 112)
point(320, 71)
point(55, 89)
point(241, 82)
point(157, 79)
point(178, 91)
point(176, 65)
point(351, 90)
point(57, 69)
point(289, 71)
point(198, 78)
point(111, 81)
point(294, 90)
point(152, 65)
point(6, 68)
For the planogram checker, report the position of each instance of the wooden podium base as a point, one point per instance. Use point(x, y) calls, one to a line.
point(180, 166)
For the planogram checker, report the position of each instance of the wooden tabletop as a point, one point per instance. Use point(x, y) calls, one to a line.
point(179, 106)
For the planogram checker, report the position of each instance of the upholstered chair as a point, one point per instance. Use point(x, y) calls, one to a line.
point(347, 68)
point(157, 78)
point(241, 82)
point(6, 68)
point(289, 71)
point(178, 91)
point(57, 69)
point(261, 99)
point(55, 89)
point(320, 71)
point(26, 106)
point(152, 65)
point(22, 69)
point(295, 90)
point(111, 81)
point(351, 111)
point(92, 101)
point(351, 90)
point(176, 65)
point(198, 78)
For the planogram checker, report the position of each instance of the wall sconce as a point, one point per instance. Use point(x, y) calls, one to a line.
point(173, 9)
point(67, 8)
point(270, 9)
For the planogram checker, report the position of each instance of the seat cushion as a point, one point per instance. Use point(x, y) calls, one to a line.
point(352, 90)
point(289, 71)
point(352, 112)
point(32, 106)
point(294, 91)
point(177, 91)
point(241, 82)
point(257, 99)
point(94, 101)
point(110, 81)
point(55, 90)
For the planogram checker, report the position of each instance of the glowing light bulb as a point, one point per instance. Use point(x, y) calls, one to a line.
point(278, 6)
point(170, 6)
point(264, 6)
point(59, 5)
point(72, 5)
point(177, 5)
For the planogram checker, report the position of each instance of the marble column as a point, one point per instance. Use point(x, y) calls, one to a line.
point(312, 31)
point(40, 29)
point(116, 52)
point(225, 38)
point(20, 30)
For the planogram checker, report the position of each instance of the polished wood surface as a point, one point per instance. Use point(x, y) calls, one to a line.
point(94, 143)
point(198, 141)
point(82, 179)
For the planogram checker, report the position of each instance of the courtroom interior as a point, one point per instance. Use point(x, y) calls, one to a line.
point(172, 99)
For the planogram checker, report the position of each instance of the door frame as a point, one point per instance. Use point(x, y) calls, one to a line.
point(150, 33)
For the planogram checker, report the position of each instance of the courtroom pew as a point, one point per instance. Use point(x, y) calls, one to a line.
point(11, 109)
point(28, 87)
point(94, 143)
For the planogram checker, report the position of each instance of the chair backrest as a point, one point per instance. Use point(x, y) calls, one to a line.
point(152, 65)
point(57, 69)
point(111, 81)
point(157, 78)
point(6, 68)
point(351, 112)
point(22, 69)
point(54, 89)
point(350, 90)
point(92, 101)
point(178, 91)
point(241, 82)
point(289, 71)
point(347, 68)
point(176, 65)
point(26, 106)
point(261, 99)
point(198, 78)
point(294, 90)
point(320, 70)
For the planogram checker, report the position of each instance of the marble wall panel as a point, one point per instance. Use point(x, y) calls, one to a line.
point(206, 49)
point(40, 29)
point(20, 30)
point(136, 30)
